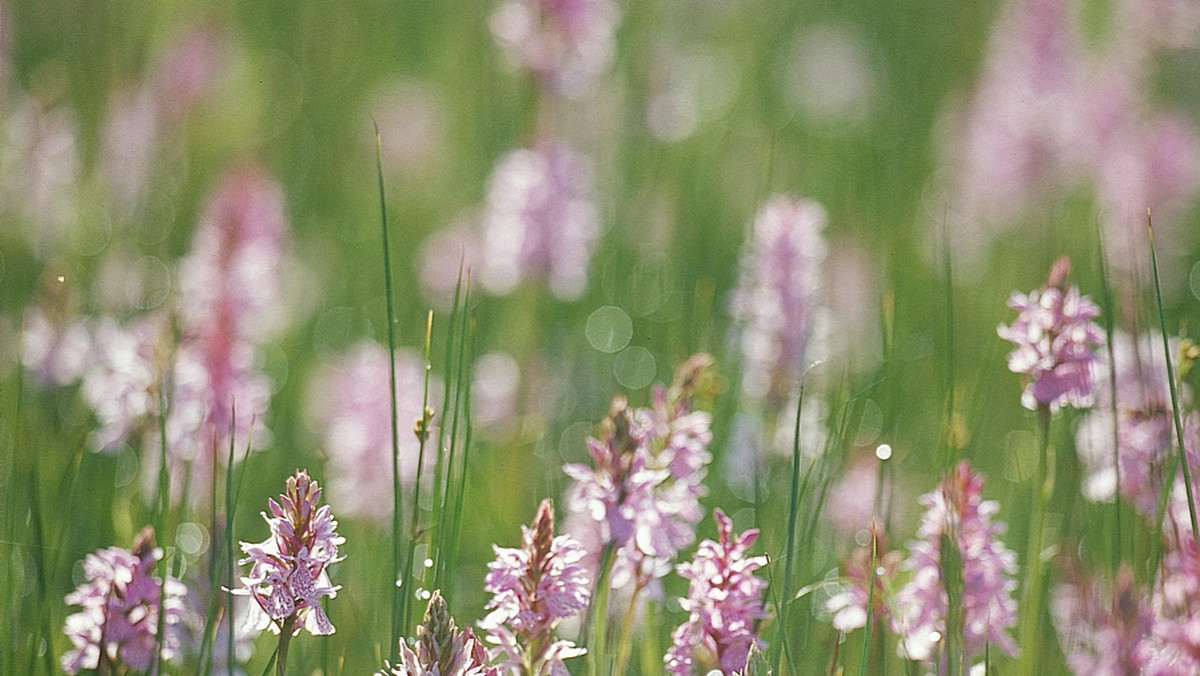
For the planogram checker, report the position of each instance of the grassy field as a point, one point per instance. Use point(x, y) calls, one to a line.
point(217, 219)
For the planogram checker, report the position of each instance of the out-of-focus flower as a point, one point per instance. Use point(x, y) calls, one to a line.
point(117, 627)
point(1100, 629)
point(776, 295)
point(540, 218)
point(443, 254)
point(55, 354)
point(231, 282)
point(724, 599)
point(1055, 343)
point(350, 407)
point(288, 574)
point(567, 43)
point(40, 171)
point(497, 377)
point(535, 587)
point(1143, 426)
point(958, 518)
point(442, 650)
point(848, 607)
point(641, 498)
point(121, 382)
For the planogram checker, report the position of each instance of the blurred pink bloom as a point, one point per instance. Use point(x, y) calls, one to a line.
point(850, 504)
point(1100, 630)
point(441, 649)
point(188, 69)
point(122, 381)
point(567, 43)
point(957, 514)
point(534, 587)
point(497, 378)
point(288, 574)
point(349, 405)
point(40, 173)
point(724, 599)
point(117, 627)
point(1144, 433)
point(55, 354)
point(443, 254)
point(1055, 341)
point(231, 282)
point(776, 296)
point(129, 136)
point(848, 607)
point(539, 219)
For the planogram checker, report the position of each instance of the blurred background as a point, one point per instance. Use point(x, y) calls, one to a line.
point(180, 177)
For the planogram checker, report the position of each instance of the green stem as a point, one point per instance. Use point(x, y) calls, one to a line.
point(285, 639)
point(1043, 486)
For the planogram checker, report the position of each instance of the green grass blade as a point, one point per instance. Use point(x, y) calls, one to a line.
point(399, 595)
point(1175, 416)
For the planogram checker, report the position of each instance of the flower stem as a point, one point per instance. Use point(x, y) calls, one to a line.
point(1043, 486)
point(285, 638)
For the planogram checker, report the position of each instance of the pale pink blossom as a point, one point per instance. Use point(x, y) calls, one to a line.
point(957, 511)
point(776, 298)
point(289, 570)
point(535, 587)
point(725, 605)
point(539, 220)
point(441, 649)
point(117, 626)
point(1055, 342)
point(351, 411)
point(566, 43)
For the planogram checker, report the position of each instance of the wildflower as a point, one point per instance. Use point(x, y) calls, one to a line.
point(535, 587)
point(848, 607)
point(288, 573)
point(540, 218)
point(641, 498)
point(441, 648)
point(774, 303)
point(121, 601)
point(55, 352)
point(349, 405)
point(1055, 340)
point(1143, 426)
point(567, 43)
point(1101, 630)
point(958, 522)
point(120, 382)
point(724, 602)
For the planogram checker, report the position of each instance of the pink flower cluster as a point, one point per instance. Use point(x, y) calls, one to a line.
point(957, 511)
point(441, 649)
point(725, 603)
point(534, 587)
point(641, 496)
point(567, 43)
point(539, 219)
point(1143, 428)
point(349, 405)
point(775, 302)
point(1054, 341)
point(288, 573)
point(1100, 630)
point(120, 606)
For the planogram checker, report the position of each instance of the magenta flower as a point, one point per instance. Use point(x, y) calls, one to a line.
point(540, 219)
point(121, 601)
point(725, 603)
point(535, 587)
point(441, 649)
point(775, 301)
point(568, 43)
point(957, 512)
point(288, 574)
point(351, 411)
point(1055, 341)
